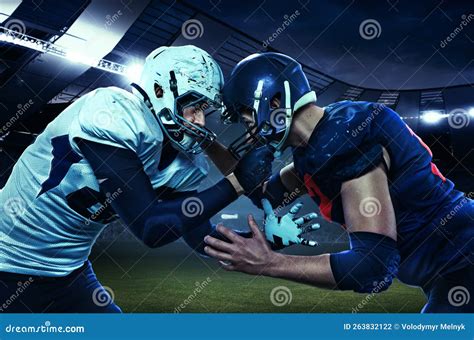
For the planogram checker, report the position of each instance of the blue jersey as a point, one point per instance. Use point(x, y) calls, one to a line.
point(53, 209)
point(347, 143)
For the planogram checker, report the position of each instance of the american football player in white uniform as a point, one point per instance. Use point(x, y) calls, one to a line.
point(113, 153)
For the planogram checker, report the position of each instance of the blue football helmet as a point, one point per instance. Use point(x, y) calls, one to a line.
point(253, 83)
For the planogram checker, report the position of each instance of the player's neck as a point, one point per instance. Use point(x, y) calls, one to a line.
point(304, 124)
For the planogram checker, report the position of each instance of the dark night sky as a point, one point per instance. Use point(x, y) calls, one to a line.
point(325, 35)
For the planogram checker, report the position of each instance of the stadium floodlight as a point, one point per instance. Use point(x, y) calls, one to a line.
point(47, 47)
point(433, 117)
point(133, 72)
point(471, 112)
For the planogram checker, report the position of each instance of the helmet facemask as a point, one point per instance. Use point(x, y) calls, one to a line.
point(250, 139)
point(193, 82)
point(185, 134)
point(272, 131)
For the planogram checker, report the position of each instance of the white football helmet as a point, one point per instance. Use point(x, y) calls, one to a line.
point(188, 76)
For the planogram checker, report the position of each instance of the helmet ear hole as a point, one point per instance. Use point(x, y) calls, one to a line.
point(275, 101)
point(158, 91)
point(166, 113)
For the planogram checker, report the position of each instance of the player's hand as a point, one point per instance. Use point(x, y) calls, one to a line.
point(248, 255)
point(254, 169)
point(287, 230)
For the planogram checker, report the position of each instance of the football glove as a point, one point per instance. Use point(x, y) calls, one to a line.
point(287, 230)
point(254, 168)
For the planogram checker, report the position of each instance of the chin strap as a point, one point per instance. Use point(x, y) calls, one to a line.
point(173, 85)
point(148, 103)
point(166, 113)
point(288, 118)
point(146, 97)
point(309, 97)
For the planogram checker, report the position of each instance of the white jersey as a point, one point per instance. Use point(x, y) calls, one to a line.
point(53, 210)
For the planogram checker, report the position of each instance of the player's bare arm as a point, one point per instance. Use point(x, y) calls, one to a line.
point(314, 270)
point(290, 180)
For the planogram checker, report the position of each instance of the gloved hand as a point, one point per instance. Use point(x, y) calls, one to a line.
point(254, 168)
point(275, 192)
point(287, 230)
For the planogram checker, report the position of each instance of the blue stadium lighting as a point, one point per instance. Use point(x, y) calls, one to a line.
point(432, 117)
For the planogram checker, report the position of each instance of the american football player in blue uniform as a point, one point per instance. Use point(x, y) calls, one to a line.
point(366, 170)
point(113, 153)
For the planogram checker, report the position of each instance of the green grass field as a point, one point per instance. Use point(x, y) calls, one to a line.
point(162, 280)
